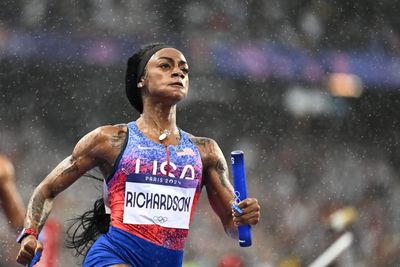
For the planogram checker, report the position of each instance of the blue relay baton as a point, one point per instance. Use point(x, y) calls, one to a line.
point(239, 183)
point(35, 259)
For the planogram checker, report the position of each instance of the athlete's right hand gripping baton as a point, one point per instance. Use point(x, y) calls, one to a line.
point(239, 182)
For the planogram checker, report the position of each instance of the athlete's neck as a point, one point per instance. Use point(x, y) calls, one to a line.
point(164, 118)
point(157, 120)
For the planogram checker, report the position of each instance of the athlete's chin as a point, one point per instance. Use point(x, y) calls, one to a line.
point(177, 88)
point(179, 94)
point(174, 96)
point(179, 98)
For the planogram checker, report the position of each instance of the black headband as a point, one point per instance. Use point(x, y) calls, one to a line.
point(145, 58)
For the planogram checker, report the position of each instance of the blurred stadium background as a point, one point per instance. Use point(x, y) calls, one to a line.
point(309, 89)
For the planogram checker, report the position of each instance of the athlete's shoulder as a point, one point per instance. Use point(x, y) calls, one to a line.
point(111, 129)
point(203, 142)
point(107, 132)
point(102, 139)
point(208, 148)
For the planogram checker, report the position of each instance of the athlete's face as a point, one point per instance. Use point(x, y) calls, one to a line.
point(166, 75)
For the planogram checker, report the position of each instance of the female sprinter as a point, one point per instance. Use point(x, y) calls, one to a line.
point(154, 173)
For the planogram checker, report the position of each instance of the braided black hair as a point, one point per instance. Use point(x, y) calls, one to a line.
point(93, 223)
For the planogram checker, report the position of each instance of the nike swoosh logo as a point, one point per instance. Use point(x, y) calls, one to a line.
point(144, 147)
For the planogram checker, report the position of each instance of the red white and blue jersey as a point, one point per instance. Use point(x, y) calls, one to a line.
point(155, 188)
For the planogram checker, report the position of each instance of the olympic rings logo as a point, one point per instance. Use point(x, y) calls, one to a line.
point(160, 219)
point(237, 196)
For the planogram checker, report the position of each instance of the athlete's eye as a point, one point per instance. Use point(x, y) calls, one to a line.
point(164, 66)
point(185, 70)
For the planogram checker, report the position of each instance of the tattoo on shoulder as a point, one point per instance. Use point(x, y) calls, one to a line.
point(201, 141)
point(118, 138)
point(213, 158)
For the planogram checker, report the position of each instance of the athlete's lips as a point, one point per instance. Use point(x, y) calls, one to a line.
point(177, 84)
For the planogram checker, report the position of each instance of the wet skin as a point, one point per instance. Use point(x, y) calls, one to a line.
point(164, 84)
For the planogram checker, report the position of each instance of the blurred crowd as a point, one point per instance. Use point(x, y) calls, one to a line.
point(302, 168)
point(306, 24)
point(301, 182)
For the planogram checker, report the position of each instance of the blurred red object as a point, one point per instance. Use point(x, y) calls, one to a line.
point(51, 241)
point(231, 260)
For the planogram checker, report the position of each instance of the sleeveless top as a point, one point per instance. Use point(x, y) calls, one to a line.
point(154, 189)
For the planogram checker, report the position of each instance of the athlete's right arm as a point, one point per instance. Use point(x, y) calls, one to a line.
point(95, 149)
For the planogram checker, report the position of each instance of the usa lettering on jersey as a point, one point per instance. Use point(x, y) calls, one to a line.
point(187, 171)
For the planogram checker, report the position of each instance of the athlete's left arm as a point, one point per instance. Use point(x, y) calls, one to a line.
point(220, 191)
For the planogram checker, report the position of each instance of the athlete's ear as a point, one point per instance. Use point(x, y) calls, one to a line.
point(140, 83)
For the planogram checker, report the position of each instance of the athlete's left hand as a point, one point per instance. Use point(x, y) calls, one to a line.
point(251, 212)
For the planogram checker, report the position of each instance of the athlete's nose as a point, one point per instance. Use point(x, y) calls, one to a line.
point(177, 72)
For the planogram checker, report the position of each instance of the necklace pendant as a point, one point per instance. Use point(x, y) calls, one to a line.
point(164, 135)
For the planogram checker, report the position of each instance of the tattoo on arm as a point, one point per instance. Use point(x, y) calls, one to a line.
point(84, 157)
point(38, 210)
point(214, 158)
point(203, 142)
point(72, 168)
point(41, 202)
point(117, 140)
point(221, 168)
